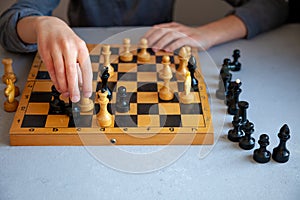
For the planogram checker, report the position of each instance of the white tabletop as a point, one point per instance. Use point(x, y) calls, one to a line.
point(270, 78)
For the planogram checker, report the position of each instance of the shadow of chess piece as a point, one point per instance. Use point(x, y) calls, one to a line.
point(247, 142)
point(281, 154)
point(262, 155)
point(236, 133)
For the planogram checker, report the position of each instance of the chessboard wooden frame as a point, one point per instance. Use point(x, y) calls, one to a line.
point(98, 136)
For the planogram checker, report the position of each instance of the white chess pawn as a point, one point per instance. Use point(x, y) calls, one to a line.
point(106, 54)
point(143, 55)
point(166, 93)
point(126, 56)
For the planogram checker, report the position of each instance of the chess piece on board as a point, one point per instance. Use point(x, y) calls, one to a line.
point(57, 105)
point(143, 55)
point(8, 70)
point(11, 104)
point(183, 64)
point(104, 118)
point(122, 104)
point(192, 66)
point(166, 93)
point(247, 142)
point(236, 133)
point(186, 97)
point(106, 55)
point(74, 119)
point(236, 65)
point(189, 51)
point(104, 79)
point(281, 154)
point(126, 56)
point(262, 155)
point(86, 104)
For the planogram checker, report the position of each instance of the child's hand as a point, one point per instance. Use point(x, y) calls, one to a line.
point(62, 50)
point(171, 36)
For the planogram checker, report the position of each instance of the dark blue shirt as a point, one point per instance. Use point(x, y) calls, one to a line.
point(258, 15)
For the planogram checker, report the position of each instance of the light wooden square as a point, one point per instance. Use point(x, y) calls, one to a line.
point(37, 108)
point(57, 121)
point(127, 67)
point(192, 120)
point(169, 108)
point(148, 121)
point(147, 97)
point(42, 86)
point(147, 76)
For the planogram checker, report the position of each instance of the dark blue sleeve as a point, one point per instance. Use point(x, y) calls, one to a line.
point(261, 15)
point(9, 38)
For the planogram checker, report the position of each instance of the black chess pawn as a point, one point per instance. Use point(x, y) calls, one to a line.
point(232, 97)
point(281, 154)
point(122, 104)
point(262, 155)
point(224, 82)
point(104, 79)
point(225, 66)
point(57, 106)
point(235, 63)
point(192, 66)
point(247, 142)
point(236, 133)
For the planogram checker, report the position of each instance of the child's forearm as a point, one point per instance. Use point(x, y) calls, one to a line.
point(26, 29)
point(225, 29)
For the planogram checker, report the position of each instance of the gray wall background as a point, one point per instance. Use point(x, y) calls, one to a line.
point(189, 12)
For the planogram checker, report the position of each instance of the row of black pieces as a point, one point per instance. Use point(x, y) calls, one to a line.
point(242, 131)
point(280, 153)
point(226, 76)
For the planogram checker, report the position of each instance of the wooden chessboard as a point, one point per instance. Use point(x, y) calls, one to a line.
point(150, 120)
